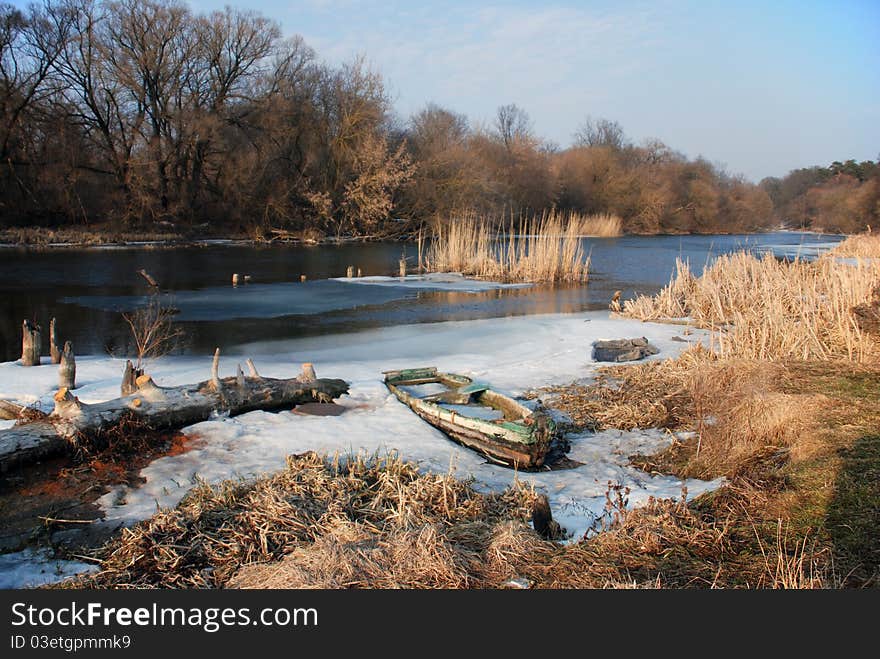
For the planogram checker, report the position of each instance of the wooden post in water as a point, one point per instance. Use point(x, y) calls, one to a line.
point(53, 344)
point(349, 273)
point(402, 265)
point(235, 279)
point(302, 279)
point(359, 272)
point(67, 370)
point(31, 339)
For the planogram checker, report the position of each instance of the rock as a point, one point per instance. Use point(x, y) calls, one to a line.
point(623, 350)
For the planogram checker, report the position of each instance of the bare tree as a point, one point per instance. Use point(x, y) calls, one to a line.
point(512, 124)
point(601, 132)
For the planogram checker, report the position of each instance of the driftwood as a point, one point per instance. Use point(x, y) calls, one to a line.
point(146, 275)
point(31, 340)
point(623, 350)
point(73, 423)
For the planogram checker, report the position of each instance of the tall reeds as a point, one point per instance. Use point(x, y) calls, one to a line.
point(540, 249)
point(863, 245)
point(767, 309)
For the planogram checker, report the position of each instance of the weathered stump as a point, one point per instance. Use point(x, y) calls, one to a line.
point(307, 374)
point(402, 266)
point(31, 340)
point(67, 370)
point(53, 343)
point(349, 273)
point(236, 278)
point(542, 519)
point(129, 378)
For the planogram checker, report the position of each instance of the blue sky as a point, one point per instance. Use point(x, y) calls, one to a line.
point(759, 87)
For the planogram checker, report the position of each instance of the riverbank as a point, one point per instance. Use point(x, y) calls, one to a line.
point(170, 237)
point(514, 354)
point(796, 443)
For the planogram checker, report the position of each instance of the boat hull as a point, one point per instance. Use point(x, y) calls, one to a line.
point(522, 442)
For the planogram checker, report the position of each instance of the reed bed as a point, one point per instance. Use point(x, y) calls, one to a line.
point(761, 308)
point(863, 245)
point(541, 249)
point(598, 225)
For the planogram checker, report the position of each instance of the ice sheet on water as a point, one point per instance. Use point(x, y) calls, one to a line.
point(440, 281)
point(254, 300)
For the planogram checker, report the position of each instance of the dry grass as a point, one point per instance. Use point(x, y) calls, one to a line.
point(355, 523)
point(770, 310)
point(863, 245)
point(545, 249)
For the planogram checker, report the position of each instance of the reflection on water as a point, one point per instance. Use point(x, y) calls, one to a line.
point(88, 289)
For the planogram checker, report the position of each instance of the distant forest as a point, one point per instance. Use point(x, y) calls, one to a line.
point(141, 113)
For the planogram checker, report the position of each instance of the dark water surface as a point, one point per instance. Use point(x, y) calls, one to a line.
point(88, 289)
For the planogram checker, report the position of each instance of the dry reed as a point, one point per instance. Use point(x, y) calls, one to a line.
point(863, 245)
point(770, 310)
point(541, 249)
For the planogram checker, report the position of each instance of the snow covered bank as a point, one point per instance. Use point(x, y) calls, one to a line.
point(31, 568)
point(514, 354)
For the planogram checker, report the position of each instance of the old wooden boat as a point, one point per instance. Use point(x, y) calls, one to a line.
point(474, 415)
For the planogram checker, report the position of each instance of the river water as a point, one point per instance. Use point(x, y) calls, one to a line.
point(88, 290)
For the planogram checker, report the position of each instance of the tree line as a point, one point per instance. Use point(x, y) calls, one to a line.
point(143, 113)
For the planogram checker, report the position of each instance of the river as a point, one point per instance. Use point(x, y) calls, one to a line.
point(88, 289)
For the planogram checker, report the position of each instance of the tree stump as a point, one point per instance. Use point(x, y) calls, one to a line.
point(402, 266)
point(307, 374)
point(129, 378)
point(31, 340)
point(542, 519)
point(349, 273)
point(67, 370)
point(53, 343)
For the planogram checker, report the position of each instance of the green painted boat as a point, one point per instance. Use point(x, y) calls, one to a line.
point(474, 415)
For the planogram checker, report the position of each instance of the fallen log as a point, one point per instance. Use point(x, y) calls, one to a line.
point(73, 424)
point(10, 411)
